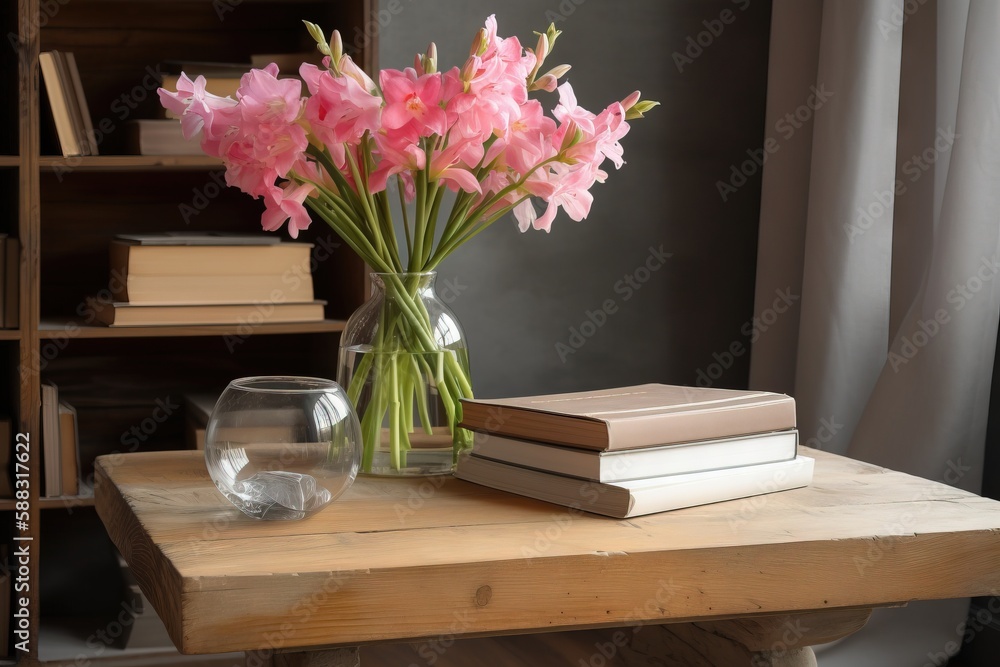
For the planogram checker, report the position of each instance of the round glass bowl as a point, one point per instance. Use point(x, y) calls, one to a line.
point(283, 447)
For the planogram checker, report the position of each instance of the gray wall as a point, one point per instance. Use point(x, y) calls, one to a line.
point(518, 295)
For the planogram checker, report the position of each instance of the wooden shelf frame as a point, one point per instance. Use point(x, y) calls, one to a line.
point(53, 329)
point(112, 163)
point(37, 174)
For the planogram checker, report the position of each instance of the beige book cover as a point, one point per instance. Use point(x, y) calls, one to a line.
point(630, 417)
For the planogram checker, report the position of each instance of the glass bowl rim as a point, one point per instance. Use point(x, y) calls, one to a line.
point(304, 384)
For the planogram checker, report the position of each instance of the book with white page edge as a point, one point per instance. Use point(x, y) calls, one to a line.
point(629, 464)
point(623, 500)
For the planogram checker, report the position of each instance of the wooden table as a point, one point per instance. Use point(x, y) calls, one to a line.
point(751, 582)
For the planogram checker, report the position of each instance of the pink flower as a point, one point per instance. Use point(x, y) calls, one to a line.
point(527, 140)
point(200, 111)
point(412, 103)
point(286, 203)
point(264, 98)
point(443, 168)
point(339, 109)
point(399, 154)
point(568, 110)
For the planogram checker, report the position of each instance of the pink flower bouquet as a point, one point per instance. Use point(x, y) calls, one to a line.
point(474, 130)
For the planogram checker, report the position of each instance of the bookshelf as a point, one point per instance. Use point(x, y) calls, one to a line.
point(65, 210)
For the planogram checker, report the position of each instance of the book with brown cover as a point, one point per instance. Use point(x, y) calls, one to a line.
point(87, 123)
point(51, 441)
point(68, 450)
point(630, 417)
point(190, 290)
point(137, 259)
point(250, 314)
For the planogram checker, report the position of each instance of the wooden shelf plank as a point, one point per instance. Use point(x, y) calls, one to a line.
point(9, 160)
point(129, 163)
point(50, 329)
point(10, 334)
point(6, 504)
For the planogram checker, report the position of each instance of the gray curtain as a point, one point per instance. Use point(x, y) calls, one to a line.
point(881, 211)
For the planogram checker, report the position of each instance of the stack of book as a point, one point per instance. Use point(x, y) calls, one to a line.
point(631, 451)
point(193, 279)
point(68, 103)
point(60, 444)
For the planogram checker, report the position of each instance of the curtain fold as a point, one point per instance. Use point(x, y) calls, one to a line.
point(887, 218)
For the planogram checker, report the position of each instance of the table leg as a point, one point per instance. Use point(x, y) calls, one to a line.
point(764, 641)
point(336, 657)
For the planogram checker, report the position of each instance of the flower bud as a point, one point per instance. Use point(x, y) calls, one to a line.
point(336, 47)
point(542, 50)
point(559, 72)
point(547, 82)
point(317, 34)
point(479, 43)
point(551, 35)
point(418, 64)
point(431, 59)
point(640, 109)
point(630, 101)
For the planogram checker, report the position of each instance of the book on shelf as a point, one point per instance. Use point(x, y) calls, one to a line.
point(201, 239)
point(51, 442)
point(223, 83)
point(68, 103)
point(137, 258)
point(629, 464)
point(6, 460)
point(191, 290)
point(159, 137)
point(59, 103)
point(89, 135)
point(287, 63)
point(250, 314)
point(633, 498)
point(10, 258)
point(632, 417)
point(69, 447)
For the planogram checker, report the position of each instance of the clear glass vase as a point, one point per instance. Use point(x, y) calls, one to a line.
point(405, 364)
point(282, 447)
